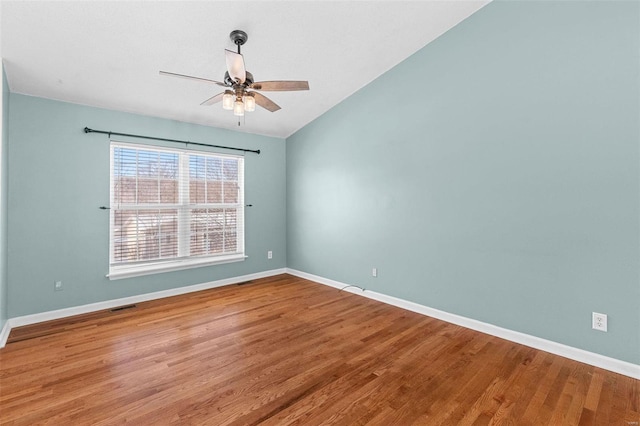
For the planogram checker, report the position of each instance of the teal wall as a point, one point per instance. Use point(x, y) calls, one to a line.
point(494, 174)
point(3, 201)
point(58, 178)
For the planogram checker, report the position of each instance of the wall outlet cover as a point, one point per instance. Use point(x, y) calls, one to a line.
point(599, 321)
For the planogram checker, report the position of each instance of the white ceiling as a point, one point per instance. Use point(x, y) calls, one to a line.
point(108, 53)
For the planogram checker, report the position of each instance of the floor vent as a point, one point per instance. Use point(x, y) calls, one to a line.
point(122, 308)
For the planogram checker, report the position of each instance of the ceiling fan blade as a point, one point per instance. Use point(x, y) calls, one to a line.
point(265, 102)
point(214, 99)
point(278, 86)
point(190, 77)
point(235, 65)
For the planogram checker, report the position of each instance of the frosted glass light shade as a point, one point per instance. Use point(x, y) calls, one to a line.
point(227, 100)
point(238, 108)
point(249, 103)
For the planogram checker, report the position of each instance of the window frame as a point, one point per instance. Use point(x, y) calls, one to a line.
point(184, 207)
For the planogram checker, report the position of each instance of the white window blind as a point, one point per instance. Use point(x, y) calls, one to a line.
point(172, 209)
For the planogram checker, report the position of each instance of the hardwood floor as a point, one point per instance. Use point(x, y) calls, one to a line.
point(283, 350)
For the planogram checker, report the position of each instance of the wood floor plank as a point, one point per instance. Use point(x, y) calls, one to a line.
point(286, 351)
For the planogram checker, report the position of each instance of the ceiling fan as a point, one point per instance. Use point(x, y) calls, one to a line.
point(241, 94)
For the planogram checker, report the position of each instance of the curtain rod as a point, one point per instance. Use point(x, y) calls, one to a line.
point(88, 130)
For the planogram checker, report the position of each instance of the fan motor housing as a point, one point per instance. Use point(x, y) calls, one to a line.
point(248, 80)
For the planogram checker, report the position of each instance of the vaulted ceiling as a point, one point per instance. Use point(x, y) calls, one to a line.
point(107, 54)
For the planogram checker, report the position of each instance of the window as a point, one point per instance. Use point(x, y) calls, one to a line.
point(173, 209)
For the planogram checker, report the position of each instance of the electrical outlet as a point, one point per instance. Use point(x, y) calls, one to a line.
point(57, 286)
point(599, 321)
point(269, 254)
point(374, 272)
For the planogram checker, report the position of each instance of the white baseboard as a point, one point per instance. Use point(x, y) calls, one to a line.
point(109, 304)
point(4, 333)
point(576, 354)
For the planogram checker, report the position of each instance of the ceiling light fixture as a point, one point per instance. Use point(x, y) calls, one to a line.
point(241, 92)
point(227, 100)
point(238, 107)
point(249, 102)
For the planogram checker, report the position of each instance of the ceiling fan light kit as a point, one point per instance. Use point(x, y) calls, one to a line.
point(238, 108)
point(241, 94)
point(227, 100)
point(249, 102)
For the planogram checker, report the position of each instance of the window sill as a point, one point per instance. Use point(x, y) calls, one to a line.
point(121, 272)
